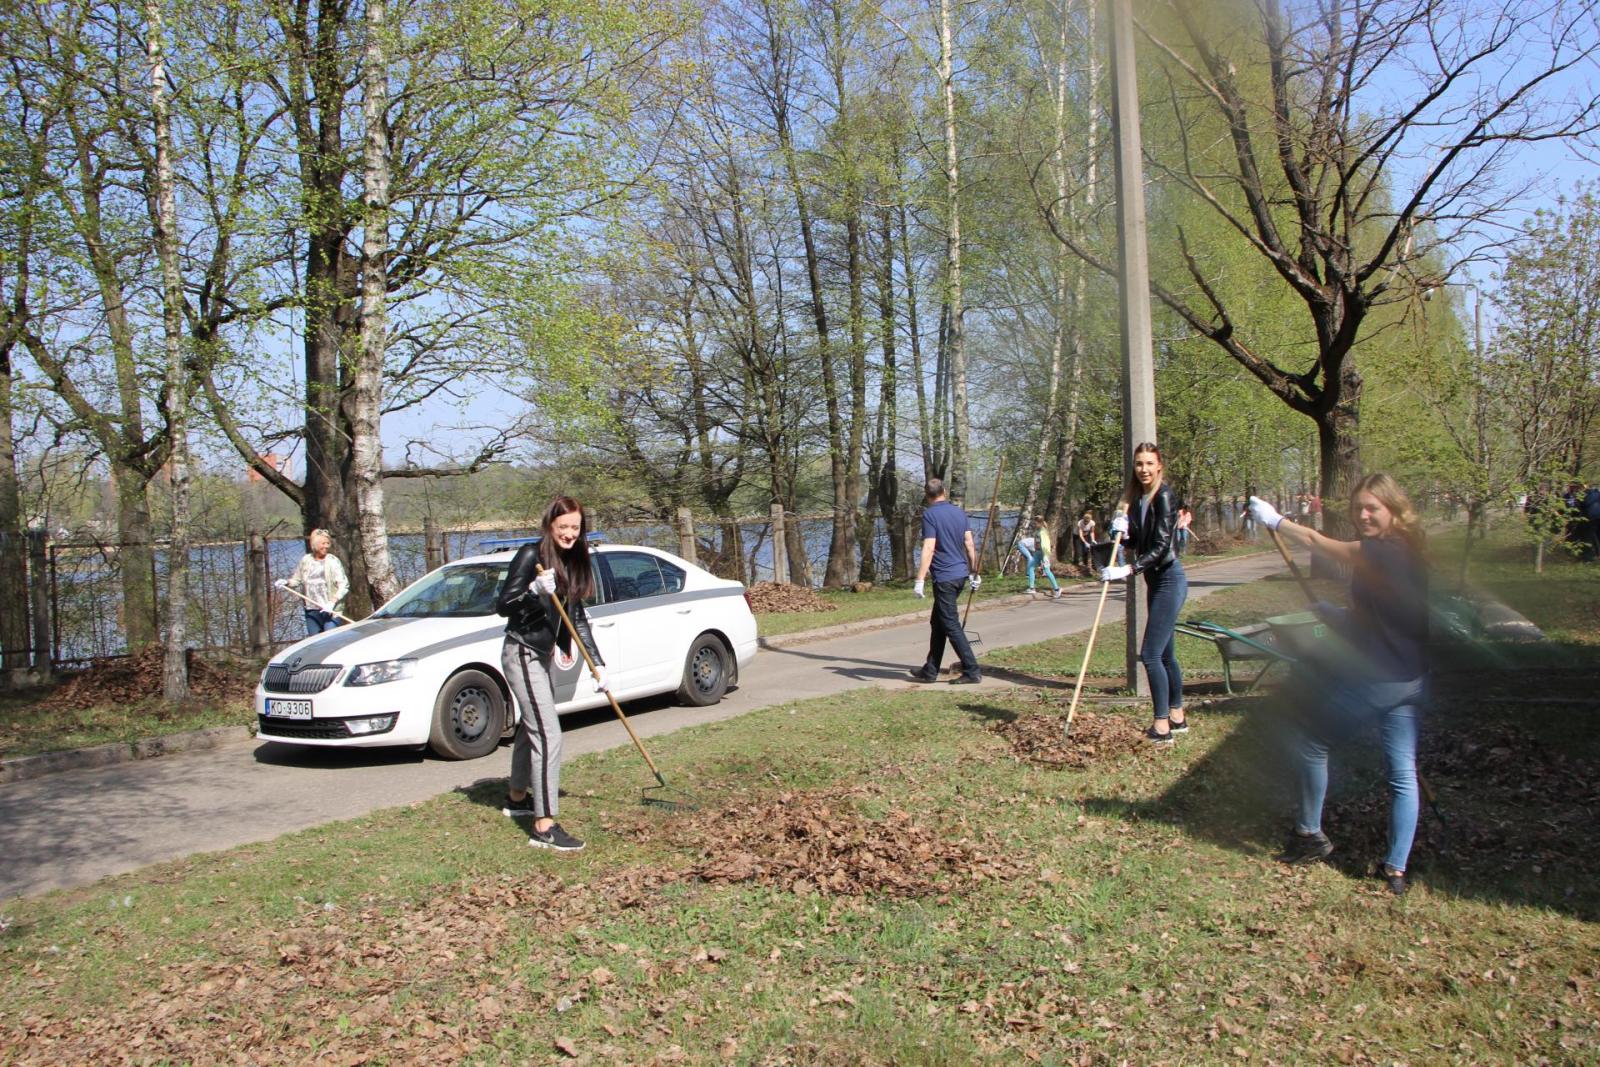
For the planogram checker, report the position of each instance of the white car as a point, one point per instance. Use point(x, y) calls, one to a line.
point(425, 668)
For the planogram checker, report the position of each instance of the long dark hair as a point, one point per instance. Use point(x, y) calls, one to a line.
point(574, 575)
point(1135, 490)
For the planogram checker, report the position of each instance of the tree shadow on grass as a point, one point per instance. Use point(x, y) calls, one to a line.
point(1518, 788)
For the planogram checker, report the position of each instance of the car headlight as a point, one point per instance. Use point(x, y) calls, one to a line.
point(390, 670)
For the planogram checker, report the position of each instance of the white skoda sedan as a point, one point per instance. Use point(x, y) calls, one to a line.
point(425, 668)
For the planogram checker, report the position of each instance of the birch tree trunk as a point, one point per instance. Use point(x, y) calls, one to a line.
point(1056, 510)
point(1047, 427)
point(175, 395)
point(366, 395)
point(955, 315)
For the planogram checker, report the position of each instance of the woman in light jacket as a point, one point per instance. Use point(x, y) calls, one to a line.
point(320, 578)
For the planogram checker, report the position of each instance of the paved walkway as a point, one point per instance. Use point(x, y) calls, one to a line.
point(73, 828)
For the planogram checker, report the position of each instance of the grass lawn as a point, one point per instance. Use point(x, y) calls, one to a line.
point(887, 600)
point(881, 878)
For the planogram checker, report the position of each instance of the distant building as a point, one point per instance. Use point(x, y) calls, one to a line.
point(273, 460)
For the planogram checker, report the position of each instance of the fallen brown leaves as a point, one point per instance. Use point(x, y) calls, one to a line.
point(337, 985)
point(820, 843)
point(131, 679)
point(767, 598)
point(1039, 739)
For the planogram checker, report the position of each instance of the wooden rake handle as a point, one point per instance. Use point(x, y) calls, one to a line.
point(1088, 651)
point(595, 671)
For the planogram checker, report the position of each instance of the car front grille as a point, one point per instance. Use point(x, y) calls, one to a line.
point(313, 729)
point(280, 679)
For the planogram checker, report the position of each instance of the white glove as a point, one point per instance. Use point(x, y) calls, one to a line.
point(1264, 513)
point(602, 684)
point(1115, 574)
point(974, 580)
point(916, 589)
point(546, 583)
point(1119, 525)
point(282, 583)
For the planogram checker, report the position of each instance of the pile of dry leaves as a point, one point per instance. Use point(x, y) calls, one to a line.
point(1040, 738)
point(770, 597)
point(818, 842)
point(130, 679)
point(1510, 799)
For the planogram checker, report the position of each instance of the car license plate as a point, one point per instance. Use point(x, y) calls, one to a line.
point(289, 709)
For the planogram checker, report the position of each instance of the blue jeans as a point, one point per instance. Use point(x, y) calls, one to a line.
point(946, 624)
point(1034, 560)
point(1348, 708)
point(318, 620)
point(1164, 594)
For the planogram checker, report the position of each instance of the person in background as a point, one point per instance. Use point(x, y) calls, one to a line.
point(949, 553)
point(1035, 552)
point(1180, 533)
point(556, 565)
point(1380, 673)
point(320, 578)
point(1147, 529)
point(1083, 538)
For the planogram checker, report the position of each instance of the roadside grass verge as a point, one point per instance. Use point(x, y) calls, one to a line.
point(885, 600)
point(28, 727)
point(1128, 910)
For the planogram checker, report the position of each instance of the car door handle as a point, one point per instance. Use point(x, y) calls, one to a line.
point(684, 611)
point(605, 625)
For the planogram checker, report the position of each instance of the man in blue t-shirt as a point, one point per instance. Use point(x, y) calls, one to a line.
point(947, 550)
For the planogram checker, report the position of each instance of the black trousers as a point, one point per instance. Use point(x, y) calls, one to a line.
point(946, 625)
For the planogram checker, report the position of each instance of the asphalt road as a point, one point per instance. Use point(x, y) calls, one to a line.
point(76, 827)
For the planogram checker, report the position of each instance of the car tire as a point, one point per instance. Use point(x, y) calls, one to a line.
point(706, 673)
point(469, 717)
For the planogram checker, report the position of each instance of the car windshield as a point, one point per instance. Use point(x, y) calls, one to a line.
point(465, 589)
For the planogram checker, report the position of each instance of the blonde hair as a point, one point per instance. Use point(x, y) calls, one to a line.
point(320, 532)
point(1407, 523)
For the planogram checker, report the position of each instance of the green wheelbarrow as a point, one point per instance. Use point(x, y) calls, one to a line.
point(1254, 644)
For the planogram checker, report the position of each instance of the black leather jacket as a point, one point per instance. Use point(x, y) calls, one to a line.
point(532, 618)
point(1150, 543)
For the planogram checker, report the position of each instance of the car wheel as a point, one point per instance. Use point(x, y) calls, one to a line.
point(468, 717)
point(705, 673)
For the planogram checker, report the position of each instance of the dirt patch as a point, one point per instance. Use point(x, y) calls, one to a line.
point(131, 679)
point(1038, 738)
point(820, 842)
point(767, 598)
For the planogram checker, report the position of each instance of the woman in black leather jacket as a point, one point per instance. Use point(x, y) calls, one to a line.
point(1149, 528)
point(535, 636)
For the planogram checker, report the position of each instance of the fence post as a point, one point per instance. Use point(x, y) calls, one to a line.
point(39, 595)
point(780, 547)
point(909, 515)
point(686, 547)
point(258, 618)
point(432, 544)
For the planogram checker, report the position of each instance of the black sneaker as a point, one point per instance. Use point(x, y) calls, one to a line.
point(1159, 738)
point(555, 838)
point(1179, 727)
point(512, 808)
point(966, 679)
point(1305, 848)
point(1396, 880)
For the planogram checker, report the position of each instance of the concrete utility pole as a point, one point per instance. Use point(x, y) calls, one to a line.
point(1138, 364)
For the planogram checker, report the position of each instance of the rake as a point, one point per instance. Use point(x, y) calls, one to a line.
point(319, 607)
point(1088, 651)
point(654, 795)
point(1311, 597)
